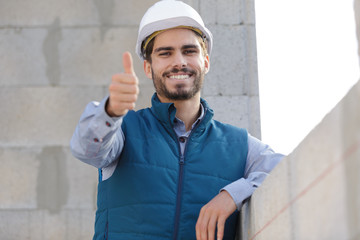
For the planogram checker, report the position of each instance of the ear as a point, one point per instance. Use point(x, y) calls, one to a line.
point(147, 69)
point(207, 63)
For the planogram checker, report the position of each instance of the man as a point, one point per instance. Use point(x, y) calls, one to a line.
point(169, 171)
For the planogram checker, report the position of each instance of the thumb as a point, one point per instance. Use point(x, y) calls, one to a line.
point(128, 63)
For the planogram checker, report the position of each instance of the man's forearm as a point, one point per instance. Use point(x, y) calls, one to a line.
point(98, 139)
point(260, 161)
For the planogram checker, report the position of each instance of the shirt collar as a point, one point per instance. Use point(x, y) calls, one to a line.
point(179, 125)
point(165, 113)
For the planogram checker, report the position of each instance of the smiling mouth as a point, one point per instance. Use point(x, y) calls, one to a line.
point(179, 74)
point(180, 77)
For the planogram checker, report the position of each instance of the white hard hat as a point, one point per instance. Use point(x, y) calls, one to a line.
point(168, 14)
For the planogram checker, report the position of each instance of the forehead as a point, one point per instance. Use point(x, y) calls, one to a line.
point(176, 38)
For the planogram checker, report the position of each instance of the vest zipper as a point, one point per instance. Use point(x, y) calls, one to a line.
point(178, 196)
point(106, 231)
point(181, 173)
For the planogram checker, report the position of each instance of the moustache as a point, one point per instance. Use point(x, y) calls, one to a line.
point(177, 70)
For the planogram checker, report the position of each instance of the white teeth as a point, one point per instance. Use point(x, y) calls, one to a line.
point(179, 76)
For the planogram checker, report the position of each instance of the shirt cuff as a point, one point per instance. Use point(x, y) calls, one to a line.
point(239, 190)
point(102, 105)
point(106, 122)
point(102, 124)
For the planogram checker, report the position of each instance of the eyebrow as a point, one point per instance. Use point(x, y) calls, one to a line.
point(163, 49)
point(190, 46)
point(187, 46)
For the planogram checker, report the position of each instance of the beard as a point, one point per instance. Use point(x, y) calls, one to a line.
point(180, 93)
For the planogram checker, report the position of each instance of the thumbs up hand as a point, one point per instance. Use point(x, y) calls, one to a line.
point(124, 89)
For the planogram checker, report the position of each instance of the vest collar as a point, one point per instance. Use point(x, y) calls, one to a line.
point(165, 112)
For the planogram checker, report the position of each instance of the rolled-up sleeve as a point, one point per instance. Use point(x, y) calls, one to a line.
point(261, 159)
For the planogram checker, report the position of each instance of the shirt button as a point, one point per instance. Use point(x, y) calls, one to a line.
point(182, 139)
point(108, 124)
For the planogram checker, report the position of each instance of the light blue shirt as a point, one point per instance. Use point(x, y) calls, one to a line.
point(98, 140)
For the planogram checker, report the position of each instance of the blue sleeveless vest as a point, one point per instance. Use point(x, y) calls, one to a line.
point(157, 193)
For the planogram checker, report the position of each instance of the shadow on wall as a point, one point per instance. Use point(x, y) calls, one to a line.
point(52, 183)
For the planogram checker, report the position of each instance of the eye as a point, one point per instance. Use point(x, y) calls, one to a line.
point(164, 54)
point(190, 51)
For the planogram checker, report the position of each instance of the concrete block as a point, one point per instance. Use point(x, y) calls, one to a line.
point(21, 57)
point(42, 12)
point(46, 178)
point(11, 14)
point(69, 13)
point(52, 186)
point(194, 3)
point(14, 224)
point(230, 12)
point(48, 116)
point(251, 82)
point(357, 19)
point(121, 12)
point(92, 61)
point(64, 182)
point(79, 13)
point(80, 56)
point(249, 11)
point(254, 116)
point(43, 116)
point(66, 225)
point(35, 224)
point(39, 225)
point(230, 109)
point(208, 11)
point(83, 180)
point(80, 224)
point(54, 225)
point(228, 65)
point(74, 224)
point(18, 182)
point(322, 199)
point(91, 57)
point(87, 224)
point(266, 203)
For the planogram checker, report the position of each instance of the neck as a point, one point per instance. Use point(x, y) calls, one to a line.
point(187, 111)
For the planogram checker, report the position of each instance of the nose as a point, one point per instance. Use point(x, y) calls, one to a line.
point(179, 60)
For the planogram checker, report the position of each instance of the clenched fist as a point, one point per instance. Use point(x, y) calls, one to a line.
point(124, 89)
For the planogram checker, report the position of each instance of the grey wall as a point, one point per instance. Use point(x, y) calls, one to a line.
point(357, 20)
point(314, 193)
point(55, 57)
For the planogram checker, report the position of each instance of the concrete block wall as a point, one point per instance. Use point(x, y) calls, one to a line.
point(314, 193)
point(55, 57)
point(357, 20)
